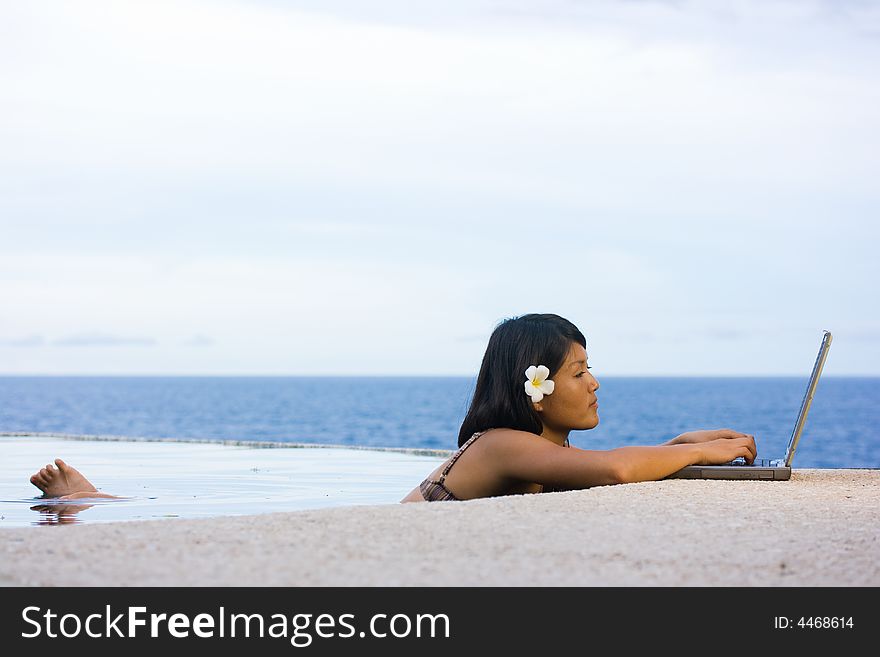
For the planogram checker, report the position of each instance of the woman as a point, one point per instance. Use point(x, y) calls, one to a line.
point(534, 387)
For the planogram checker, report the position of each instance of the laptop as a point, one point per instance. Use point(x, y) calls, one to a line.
point(767, 469)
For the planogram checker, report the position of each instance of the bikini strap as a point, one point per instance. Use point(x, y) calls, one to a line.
point(459, 453)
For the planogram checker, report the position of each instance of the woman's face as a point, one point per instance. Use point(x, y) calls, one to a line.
point(571, 404)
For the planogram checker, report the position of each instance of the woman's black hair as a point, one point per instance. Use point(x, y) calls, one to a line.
point(499, 397)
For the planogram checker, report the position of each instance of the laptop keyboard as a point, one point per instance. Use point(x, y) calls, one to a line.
point(761, 463)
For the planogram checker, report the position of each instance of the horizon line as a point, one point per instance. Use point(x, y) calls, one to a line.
point(415, 376)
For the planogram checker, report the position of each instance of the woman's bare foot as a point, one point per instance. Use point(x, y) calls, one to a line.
point(62, 481)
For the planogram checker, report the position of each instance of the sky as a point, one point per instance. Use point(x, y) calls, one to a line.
point(196, 187)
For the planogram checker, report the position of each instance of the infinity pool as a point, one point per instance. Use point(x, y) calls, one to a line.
point(164, 479)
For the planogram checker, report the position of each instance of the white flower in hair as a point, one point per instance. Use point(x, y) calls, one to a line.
point(537, 383)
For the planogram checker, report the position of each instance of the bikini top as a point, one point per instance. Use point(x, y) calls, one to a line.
point(436, 491)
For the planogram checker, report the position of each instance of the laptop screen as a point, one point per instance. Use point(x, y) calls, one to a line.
point(808, 398)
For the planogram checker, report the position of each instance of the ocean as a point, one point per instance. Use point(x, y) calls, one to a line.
point(426, 412)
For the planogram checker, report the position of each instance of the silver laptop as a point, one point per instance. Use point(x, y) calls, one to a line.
point(771, 469)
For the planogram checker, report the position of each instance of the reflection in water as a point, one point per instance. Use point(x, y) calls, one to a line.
point(59, 514)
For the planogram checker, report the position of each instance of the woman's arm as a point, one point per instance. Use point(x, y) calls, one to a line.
point(703, 436)
point(524, 456)
point(653, 463)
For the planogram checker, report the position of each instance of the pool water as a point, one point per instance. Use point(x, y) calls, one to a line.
point(199, 480)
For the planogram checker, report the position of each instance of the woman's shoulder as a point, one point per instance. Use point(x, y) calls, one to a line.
point(523, 456)
point(517, 440)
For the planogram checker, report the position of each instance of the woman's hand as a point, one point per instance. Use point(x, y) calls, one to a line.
point(722, 446)
point(707, 435)
point(716, 452)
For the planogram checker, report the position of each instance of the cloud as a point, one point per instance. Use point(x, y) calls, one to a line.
point(199, 340)
point(344, 186)
point(725, 334)
point(862, 335)
point(672, 334)
point(472, 337)
point(638, 336)
point(102, 340)
point(27, 341)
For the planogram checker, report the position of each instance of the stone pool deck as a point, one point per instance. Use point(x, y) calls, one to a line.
point(821, 528)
